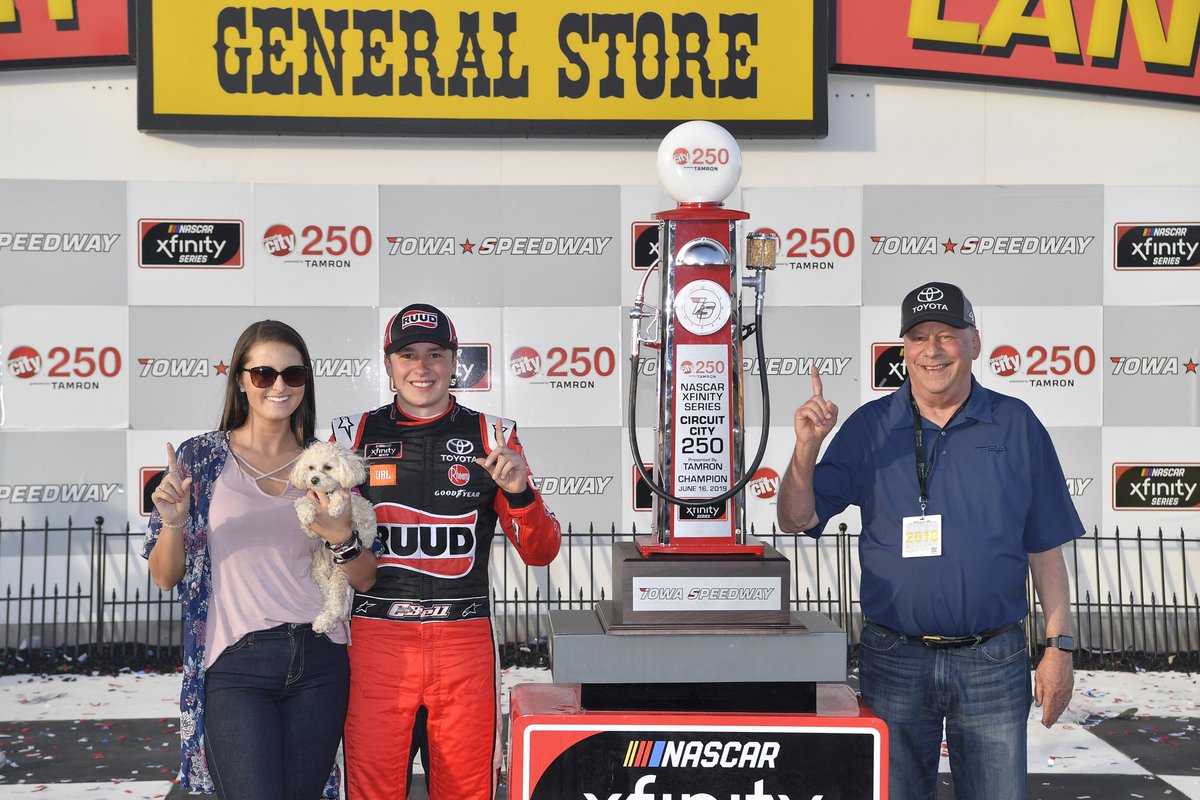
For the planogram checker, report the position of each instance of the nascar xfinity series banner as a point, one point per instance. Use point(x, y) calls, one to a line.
point(1134, 47)
point(520, 68)
point(56, 33)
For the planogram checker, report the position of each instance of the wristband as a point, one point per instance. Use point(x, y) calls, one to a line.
point(348, 550)
point(346, 545)
point(348, 556)
point(176, 525)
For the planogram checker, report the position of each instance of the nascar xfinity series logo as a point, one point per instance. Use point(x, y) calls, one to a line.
point(1141, 246)
point(213, 244)
point(499, 245)
point(981, 245)
point(1167, 487)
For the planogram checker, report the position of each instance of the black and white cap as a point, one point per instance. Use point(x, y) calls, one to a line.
point(419, 323)
point(937, 302)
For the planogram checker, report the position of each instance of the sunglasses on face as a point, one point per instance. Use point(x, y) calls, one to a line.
point(264, 377)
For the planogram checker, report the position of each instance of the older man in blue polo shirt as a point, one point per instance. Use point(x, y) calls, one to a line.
point(961, 492)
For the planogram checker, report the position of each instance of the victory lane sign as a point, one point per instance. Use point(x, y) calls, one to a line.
point(521, 67)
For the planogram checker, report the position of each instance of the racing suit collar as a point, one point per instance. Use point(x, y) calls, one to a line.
point(402, 419)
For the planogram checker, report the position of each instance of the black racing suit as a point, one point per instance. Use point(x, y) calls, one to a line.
point(422, 636)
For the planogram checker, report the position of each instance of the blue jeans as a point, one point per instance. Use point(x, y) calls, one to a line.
point(276, 702)
point(983, 694)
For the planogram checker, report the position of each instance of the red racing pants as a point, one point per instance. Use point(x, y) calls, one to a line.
point(451, 668)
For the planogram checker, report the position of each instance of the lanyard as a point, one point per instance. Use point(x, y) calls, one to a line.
point(924, 470)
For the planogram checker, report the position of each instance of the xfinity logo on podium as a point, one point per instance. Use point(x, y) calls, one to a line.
point(641, 792)
point(758, 757)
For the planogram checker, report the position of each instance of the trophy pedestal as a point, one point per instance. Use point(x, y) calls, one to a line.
point(559, 749)
point(669, 640)
point(698, 591)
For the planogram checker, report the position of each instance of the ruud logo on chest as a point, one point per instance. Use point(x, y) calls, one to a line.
point(432, 544)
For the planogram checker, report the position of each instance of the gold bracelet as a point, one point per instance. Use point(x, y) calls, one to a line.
point(177, 525)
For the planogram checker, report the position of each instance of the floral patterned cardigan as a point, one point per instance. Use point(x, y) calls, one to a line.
point(202, 458)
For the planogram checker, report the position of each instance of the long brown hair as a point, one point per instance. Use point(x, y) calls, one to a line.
point(237, 409)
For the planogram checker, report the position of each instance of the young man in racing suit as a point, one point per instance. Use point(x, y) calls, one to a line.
point(440, 476)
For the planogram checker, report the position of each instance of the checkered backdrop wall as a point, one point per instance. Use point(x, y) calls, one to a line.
point(124, 298)
point(1048, 208)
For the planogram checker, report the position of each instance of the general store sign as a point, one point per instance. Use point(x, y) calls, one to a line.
point(521, 67)
point(1132, 47)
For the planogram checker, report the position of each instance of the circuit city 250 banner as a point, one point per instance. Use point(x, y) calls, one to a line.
point(521, 67)
point(1134, 47)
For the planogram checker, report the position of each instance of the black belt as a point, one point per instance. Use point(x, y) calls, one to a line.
point(950, 642)
point(375, 607)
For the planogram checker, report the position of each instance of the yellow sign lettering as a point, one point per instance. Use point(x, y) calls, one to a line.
point(1155, 43)
point(59, 10)
point(604, 38)
point(925, 23)
point(263, 50)
point(1011, 22)
point(1056, 26)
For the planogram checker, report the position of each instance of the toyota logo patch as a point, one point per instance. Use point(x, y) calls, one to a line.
point(930, 294)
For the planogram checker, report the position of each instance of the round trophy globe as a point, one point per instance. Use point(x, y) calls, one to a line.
point(699, 162)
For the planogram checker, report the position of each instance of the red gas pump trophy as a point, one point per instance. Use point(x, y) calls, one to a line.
point(697, 650)
point(699, 505)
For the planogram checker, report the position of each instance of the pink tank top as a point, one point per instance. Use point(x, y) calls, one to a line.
point(260, 562)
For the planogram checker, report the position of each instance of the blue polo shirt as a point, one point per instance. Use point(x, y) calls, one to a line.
point(995, 480)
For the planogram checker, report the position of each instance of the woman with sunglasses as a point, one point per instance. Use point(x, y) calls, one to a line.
point(264, 697)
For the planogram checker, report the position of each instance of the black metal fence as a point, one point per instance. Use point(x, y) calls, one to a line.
point(79, 599)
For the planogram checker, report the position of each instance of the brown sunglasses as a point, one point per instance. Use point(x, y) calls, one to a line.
point(264, 377)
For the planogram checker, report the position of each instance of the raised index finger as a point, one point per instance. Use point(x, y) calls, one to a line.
point(816, 382)
point(172, 464)
point(500, 432)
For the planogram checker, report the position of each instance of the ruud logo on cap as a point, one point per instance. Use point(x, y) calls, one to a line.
point(421, 319)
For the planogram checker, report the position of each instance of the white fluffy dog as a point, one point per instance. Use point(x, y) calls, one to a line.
point(327, 467)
